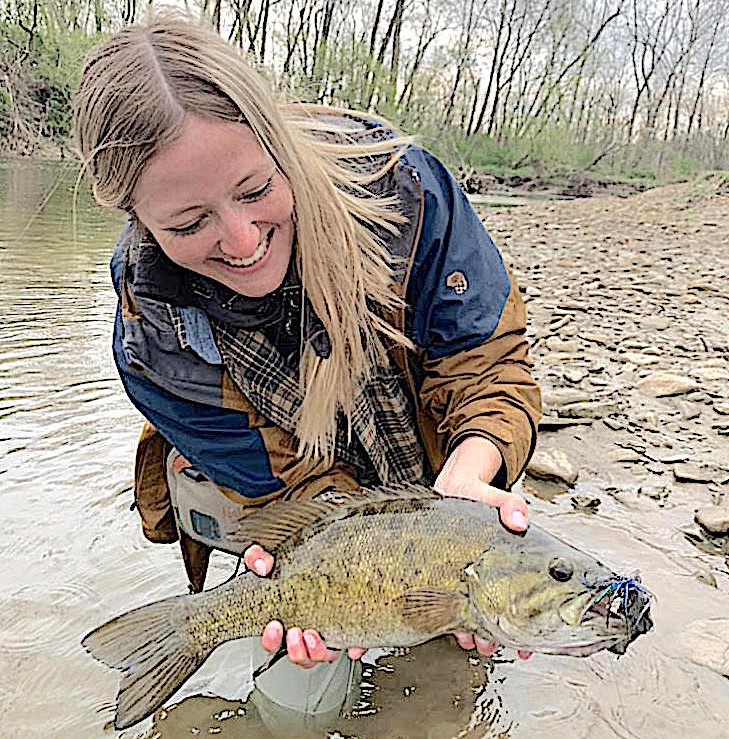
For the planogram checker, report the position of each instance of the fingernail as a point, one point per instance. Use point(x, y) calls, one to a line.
point(310, 641)
point(260, 566)
point(519, 520)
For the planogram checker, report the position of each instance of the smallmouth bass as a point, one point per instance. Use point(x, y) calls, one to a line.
point(379, 568)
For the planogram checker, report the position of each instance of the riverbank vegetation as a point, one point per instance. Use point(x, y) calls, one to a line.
point(624, 90)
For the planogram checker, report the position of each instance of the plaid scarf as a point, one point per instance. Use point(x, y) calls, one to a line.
point(384, 441)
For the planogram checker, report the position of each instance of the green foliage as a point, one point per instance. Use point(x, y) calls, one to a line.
point(38, 77)
point(37, 81)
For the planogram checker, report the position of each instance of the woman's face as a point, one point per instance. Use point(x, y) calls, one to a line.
point(217, 205)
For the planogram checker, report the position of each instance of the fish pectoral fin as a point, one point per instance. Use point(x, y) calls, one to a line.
point(433, 610)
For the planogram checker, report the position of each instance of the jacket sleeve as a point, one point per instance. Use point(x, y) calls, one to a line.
point(469, 323)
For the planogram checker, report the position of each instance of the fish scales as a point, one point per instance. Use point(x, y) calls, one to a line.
point(353, 600)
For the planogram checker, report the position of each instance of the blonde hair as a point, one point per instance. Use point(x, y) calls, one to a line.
point(134, 94)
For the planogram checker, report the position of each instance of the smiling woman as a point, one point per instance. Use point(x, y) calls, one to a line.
point(289, 320)
point(216, 205)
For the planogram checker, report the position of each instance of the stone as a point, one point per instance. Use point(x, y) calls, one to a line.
point(575, 375)
point(692, 473)
point(707, 374)
point(706, 642)
point(639, 359)
point(556, 344)
point(625, 455)
point(714, 519)
point(557, 397)
point(688, 411)
point(552, 464)
point(585, 502)
point(665, 384)
point(595, 338)
point(722, 408)
point(588, 410)
point(657, 323)
point(548, 423)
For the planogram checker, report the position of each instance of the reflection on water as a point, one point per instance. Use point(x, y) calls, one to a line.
point(72, 555)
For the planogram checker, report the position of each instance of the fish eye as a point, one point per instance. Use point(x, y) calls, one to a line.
point(560, 570)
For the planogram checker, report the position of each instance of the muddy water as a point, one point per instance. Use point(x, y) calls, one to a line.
point(71, 553)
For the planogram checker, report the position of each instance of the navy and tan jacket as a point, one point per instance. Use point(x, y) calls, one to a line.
point(469, 375)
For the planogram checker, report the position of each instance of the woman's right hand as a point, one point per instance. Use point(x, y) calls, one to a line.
point(305, 648)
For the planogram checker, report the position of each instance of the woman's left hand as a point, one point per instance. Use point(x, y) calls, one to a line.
point(467, 472)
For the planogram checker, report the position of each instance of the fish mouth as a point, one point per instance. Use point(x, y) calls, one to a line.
point(609, 616)
point(621, 606)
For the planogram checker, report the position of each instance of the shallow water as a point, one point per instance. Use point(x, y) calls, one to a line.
point(72, 554)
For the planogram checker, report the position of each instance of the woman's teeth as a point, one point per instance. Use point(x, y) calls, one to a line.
point(261, 249)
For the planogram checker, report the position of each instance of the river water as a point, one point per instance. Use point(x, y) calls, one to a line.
point(72, 554)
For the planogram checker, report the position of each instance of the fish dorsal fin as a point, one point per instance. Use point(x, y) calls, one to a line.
point(286, 521)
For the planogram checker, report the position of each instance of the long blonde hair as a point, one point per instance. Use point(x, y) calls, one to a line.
point(134, 93)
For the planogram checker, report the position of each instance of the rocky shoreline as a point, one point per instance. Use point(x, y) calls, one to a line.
point(628, 301)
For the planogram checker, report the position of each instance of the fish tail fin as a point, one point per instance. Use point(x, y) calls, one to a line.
point(155, 652)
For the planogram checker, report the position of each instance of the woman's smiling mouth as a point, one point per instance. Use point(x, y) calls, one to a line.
point(243, 262)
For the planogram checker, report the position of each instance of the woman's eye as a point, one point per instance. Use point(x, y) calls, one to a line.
point(256, 194)
point(189, 230)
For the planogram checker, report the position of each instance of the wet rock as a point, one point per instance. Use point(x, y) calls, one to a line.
point(692, 473)
point(557, 344)
point(714, 519)
point(550, 423)
point(639, 359)
point(665, 384)
point(595, 338)
point(588, 410)
point(657, 323)
point(585, 503)
point(552, 464)
point(655, 492)
point(711, 373)
point(556, 398)
point(706, 642)
point(666, 456)
point(575, 375)
point(688, 411)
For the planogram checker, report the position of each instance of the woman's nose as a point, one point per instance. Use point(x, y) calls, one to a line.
point(240, 235)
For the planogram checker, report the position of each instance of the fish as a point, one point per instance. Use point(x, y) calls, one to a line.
point(381, 567)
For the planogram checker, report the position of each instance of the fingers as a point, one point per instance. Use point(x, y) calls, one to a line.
point(356, 652)
point(305, 648)
point(485, 648)
point(512, 507)
point(179, 463)
point(465, 641)
point(258, 560)
point(315, 647)
point(513, 511)
point(272, 636)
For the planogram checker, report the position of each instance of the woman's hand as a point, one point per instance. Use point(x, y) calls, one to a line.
point(467, 472)
point(305, 648)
